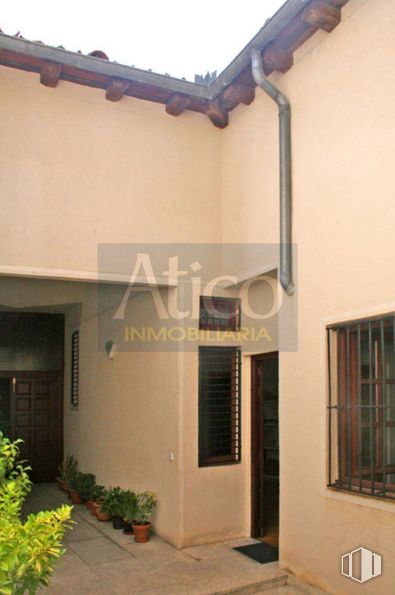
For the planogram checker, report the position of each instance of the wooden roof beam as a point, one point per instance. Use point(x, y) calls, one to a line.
point(322, 14)
point(177, 104)
point(277, 58)
point(235, 94)
point(217, 114)
point(50, 73)
point(116, 89)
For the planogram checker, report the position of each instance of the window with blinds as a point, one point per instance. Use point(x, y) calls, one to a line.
point(219, 314)
point(219, 406)
point(75, 369)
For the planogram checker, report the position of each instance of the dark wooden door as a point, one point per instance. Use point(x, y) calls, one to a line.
point(37, 418)
point(265, 447)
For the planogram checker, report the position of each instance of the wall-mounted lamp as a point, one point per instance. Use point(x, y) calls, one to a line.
point(111, 349)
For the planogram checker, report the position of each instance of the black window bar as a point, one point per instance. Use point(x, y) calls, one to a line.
point(361, 408)
point(219, 406)
point(75, 369)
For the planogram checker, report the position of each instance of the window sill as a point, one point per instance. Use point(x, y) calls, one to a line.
point(359, 499)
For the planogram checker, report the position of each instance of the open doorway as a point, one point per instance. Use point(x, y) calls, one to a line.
point(265, 488)
point(31, 387)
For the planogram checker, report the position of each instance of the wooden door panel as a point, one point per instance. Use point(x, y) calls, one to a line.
point(23, 403)
point(23, 387)
point(38, 421)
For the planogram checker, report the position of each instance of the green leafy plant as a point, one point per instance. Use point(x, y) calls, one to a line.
point(85, 484)
point(145, 503)
point(28, 549)
point(112, 502)
point(128, 506)
point(74, 480)
point(68, 470)
point(99, 493)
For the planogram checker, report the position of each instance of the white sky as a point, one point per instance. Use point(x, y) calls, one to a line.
point(178, 37)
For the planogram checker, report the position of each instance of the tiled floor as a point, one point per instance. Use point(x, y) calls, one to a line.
point(102, 561)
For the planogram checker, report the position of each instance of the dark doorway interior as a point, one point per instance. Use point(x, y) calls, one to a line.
point(265, 448)
point(31, 387)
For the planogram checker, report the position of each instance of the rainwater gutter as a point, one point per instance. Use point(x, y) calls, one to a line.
point(284, 114)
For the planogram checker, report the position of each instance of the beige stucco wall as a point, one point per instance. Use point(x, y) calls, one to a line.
point(77, 170)
point(341, 91)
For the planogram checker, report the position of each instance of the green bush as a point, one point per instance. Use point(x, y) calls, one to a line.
point(28, 549)
point(128, 506)
point(85, 485)
point(113, 502)
point(69, 470)
point(99, 493)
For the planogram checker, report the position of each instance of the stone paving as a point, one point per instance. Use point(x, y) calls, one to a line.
point(102, 561)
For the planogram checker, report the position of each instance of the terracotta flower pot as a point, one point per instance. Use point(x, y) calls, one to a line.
point(103, 516)
point(89, 505)
point(141, 532)
point(75, 497)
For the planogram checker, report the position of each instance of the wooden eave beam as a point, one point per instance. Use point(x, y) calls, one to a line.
point(217, 114)
point(322, 14)
point(235, 94)
point(277, 58)
point(177, 104)
point(116, 89)
point(50, 73)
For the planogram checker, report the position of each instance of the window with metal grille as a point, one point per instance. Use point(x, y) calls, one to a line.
point(219, 406)
point(75, 369)
point(219, 314)
point(361, 358)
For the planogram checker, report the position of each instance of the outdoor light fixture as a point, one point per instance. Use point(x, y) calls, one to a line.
point(110, 348)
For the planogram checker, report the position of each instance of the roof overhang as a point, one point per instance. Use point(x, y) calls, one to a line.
point(289, 27)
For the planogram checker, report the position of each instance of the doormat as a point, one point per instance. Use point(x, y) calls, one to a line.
point(260, 552)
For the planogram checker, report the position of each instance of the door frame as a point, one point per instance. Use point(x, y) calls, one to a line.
point(256, 445)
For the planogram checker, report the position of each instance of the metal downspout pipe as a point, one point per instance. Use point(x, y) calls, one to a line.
point(284, 114)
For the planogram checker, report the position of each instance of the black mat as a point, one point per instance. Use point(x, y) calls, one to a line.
point(260, 552)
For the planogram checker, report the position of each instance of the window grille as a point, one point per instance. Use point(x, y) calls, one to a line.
point(75, 369)
point(361, 410)
point(219, 406)
point(219, 314)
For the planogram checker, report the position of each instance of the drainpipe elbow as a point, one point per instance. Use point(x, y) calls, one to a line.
point(287, 285)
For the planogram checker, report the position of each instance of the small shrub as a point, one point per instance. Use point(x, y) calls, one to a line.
point(28, 549)
point(128, 506)
point(85, 485)
point(112, 502)
point(145, 503)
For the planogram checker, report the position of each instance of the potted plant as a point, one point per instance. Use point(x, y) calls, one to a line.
point(145, 503)
point(102, 515)
point(61, 479)
point(67, 470)
point(98, 494)
point(85, 485)
point(128, 510)
point(73, 484)
point(112, 504)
